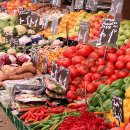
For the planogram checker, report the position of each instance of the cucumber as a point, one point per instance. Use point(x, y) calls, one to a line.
point(100, 87)
point(105, 88)
point(92, 96)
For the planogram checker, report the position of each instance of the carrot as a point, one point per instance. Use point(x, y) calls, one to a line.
point(22, 109)
point(20, 76)
point(54, 125)
point(26, 68)
point(72, 104)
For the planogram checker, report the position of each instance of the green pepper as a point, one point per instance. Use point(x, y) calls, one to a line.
point(127, 80)
point(110, 91)
point(100, 87)
point(105, 88)
point(103, 97)
point(107, 105)
point(124, 86)
point(118, 83)
point(117, 93)
point(92, 96)
point(91, 108)
point(95, 101)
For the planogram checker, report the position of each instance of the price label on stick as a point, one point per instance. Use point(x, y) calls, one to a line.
point(84, 29)
point(24, 17)
point(4, 10)
point(116, 7)
point(34, 19)
point(57, 3)
point(91, 5)
point(8, 38)
point(16, 42)
point(45, 21)
point(54, 70)
point(67, 29)
point(117, 105)
point(64, 76)
point(54, 25)
point(20, 8)
point(79, 4)
point(35, 56)
point(109, 30)
point(44, 64)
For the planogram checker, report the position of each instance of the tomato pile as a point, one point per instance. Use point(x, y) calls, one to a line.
point(88, 67)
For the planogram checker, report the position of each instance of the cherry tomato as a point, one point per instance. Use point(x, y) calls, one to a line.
point(96, 76)
point(122, 74)
point(91, 88)
point(71, 95)
point(121, 58)
point(80, 91)
point(79, 98)
point(123, 48)
point(128, 65)
point(120, 65)
point(101, 52)
point(93, 69)
point(73, 72)
point(85, 83)
point(127, 58)
point(114, 77)
point(101, 69)
point(100, 61)
point(77, 59)
point(72, 88)
point(83, 70)
point(94, 55)
point(113, 57)
point(77, 81)
point(120, 52)
point(108, 71)
point(109, 81)
point(87, 77)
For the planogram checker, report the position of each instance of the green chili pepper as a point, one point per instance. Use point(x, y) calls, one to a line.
point(118, 83)
point(100, 87)
point(46, 127)
point(38, 127)
point(127, 80)
point(36, 123)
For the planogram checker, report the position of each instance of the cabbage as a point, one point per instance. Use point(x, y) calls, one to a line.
point(19, 54)
point(2, 53)
point(11, 51)
point(9, 59)
point(23, 58)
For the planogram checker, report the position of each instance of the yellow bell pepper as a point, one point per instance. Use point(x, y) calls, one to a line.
point(127, 94)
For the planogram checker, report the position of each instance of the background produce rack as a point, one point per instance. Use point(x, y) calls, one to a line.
point(15, 119)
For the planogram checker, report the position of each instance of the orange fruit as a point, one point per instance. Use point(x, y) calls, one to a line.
point(126, 102)
point(126, 117)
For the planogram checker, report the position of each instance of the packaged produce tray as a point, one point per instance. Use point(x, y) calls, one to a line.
point(15, 119)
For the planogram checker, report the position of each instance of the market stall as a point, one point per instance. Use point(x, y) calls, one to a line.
point(65, 68)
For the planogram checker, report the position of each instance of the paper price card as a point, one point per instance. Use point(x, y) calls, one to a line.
point(92, 5)
point(44, 64)
point(54, 70)
point(109, 30)
point(54, 25)
point(117, 105)
point(45, 21)
point(83, 34)
point(57, 3)
point(8, 38)
point(79, 4)
point(64, 76)
point(24, 16)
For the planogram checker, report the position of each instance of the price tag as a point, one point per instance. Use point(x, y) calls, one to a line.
point(84, 29)
point(24, 16)
point(116, 7)
point(0, 9)
point(44, 64)
point(35, 56)
point(109, 30)
point(34, 19)
point(45, 21)
point(54, 70)
point(117, 104)
point(79, 4)
point(67, 29)
point(4, 10)
point(8, 38)
point(20, 8)
point(64, 76)
point(57, 3)
point(54, 25)
point(91, 5)
point(16, 42)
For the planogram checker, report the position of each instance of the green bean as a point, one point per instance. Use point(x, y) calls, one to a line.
point(46, 127)
point(38, 126)
point(36, 123)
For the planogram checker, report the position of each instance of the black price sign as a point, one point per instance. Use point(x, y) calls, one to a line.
point(24, 16)
point(35, 56)
point(117, 104)
point(54, 70)
point(4, 10)
point(84, 29)
point(20, 8)
point(34, 19)
point(79, 4)
point(45, 21)
point(8, 38)
point(54, 25)
point(116, 7)
point(64, 76)
point(109, 30)
point(44, 64)
point(57, 3)
point(16, 42)
point(92, 5)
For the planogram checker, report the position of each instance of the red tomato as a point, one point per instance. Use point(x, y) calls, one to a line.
point(73, 72)
point(96, 76)
point(101, 69)
point(71, 95)
point(111, 65)
point(79, 98)
point(90, 63)
point(114, 77)
point(116, 72)
point(70, 81)
point(127, 58)
point(100, 61)
point(72, 52)
point(128, 65)
point(97, 83)
point(123, 48)
point(80, 91)
point(84, 50)
point(77, 59)
point(121, 58)
point(111, 50)
point(89, 95)
point(122, 74)
point(104, 79)
point(72, 88)
point(82, 70)
point(65, 52)
point(101, 52)
point(128, 44)
point(120, 65)
point(83, 62)
point(117, 128)
point(91, 88)
point(85, 83)
point(93, 69)
point(87, 77)
point(77, 81)
point(94, 55)
point(77, 66)
point(108, 71)
point(120, 52)
point(109, 81)
point(113, 57)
